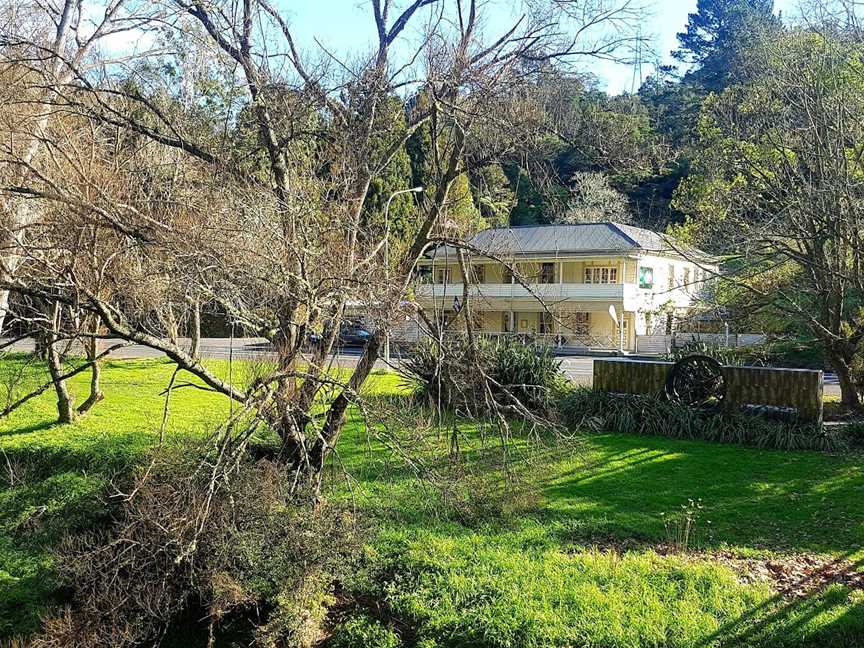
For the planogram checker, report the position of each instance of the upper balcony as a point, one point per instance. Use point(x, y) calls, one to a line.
point(630, 295)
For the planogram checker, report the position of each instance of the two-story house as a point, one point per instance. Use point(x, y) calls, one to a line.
point(588, 286)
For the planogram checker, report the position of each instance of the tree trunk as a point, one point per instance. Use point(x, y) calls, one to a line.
point(849, 396)
point(96, 394)
point(195, 333)
point(40, 346)
point(4, 309)
point(336, 414)
point(65, 403)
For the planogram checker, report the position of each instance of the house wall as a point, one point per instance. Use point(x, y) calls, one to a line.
point(494, 273)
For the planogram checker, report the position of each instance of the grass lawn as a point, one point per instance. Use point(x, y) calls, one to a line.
point(542, 575)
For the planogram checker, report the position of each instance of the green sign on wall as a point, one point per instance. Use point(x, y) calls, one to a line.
point(646, 277)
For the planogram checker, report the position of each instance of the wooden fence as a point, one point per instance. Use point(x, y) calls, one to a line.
point(798, 389)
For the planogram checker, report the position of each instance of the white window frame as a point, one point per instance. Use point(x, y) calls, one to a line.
point(601, 275)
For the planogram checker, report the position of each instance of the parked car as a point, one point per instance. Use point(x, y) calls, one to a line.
point(350, 334)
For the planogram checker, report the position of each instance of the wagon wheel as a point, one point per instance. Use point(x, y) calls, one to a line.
point(696, 380)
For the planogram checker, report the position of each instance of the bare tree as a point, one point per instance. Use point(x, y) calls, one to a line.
point(258, 208)
point(42, 48)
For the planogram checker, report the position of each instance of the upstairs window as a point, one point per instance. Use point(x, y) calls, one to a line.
point(547, 273)
point(478, 274)
point(607, 275)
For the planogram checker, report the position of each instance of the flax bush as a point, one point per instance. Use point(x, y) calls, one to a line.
point(452, 376)
point(585, 409)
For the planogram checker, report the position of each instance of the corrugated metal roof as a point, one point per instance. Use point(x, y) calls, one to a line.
point(566, 239)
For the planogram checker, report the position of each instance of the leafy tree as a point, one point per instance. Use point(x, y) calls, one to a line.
point(493, 195)
point(779, 185)
point(422, 147)
point(530, 208)
point(594, 200)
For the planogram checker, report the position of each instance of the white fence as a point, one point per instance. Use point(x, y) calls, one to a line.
point(657, 344)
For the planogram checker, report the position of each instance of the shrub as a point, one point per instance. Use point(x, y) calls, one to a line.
point(439, 372)
point(530, 371)
point(363, 632)
point(240, 542)
point(451, 376)
point(723, 355)
point(585, 409)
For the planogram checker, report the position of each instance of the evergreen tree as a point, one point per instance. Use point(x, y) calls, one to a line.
point(717, 34)
point(397, 176)
point(461, 213)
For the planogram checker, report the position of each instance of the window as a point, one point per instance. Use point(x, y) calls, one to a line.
point(506, 322)
point(671, 276)
point(547, 273)
point(442, 275)
point(507, 275)
point(646, 277)
point(687, 276)
point(579, 323)
point(545, 323)
point(605, 275)
point(424, 274)
point(478, 274)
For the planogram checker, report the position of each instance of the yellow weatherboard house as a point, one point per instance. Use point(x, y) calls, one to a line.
point(593, 286)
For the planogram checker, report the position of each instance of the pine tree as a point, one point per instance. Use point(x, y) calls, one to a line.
point(718, 34)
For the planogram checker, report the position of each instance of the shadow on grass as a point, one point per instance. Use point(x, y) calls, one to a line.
point(780, 621)
point(765, 499)
point(32, 427)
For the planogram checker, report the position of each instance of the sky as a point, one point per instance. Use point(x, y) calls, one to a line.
point(348, 23)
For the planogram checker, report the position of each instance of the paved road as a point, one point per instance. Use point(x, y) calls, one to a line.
point(580, 369)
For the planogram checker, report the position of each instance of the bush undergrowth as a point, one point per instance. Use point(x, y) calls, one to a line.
point(589, 410)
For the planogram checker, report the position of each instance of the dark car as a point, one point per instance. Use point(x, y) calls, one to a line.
point(353, 335)
point(350, 334)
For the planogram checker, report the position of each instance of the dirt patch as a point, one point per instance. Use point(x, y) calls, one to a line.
point(793, 576)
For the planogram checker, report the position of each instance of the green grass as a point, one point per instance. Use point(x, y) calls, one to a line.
point(527, 579)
